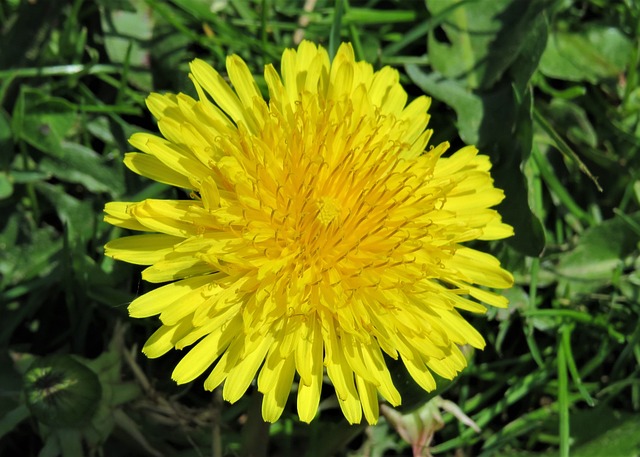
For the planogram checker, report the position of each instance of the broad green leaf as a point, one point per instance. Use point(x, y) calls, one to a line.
point(528, 59)
point(51, 446)
point(43, 121)
point(21, 262)
point(498, 121)
point(600, 250)
point(100, 128)
point(591, 54)
point(127, 40)
point(12, 419)
point(481, 115)
point(511, 152)
point(605, 432)
point(485, 37)
point(77, 216)
point(78, 164)
point(572, 120)
point(70, 442)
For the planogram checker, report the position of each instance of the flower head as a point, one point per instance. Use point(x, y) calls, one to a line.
point(320, 232)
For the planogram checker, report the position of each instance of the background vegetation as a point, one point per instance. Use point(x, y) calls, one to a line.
point(548, 88)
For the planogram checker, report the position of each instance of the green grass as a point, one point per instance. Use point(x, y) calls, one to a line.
point(548, 88)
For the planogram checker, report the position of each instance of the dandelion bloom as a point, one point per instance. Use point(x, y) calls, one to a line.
point(320, 232)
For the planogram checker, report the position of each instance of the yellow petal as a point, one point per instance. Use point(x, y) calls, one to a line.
point(242, 373)
point(141, 249)
point(369, 400)
point(480, 268)
point(243, 81)
point(174, 156)
point(151, 167)
point(419, 372)
point(219, 90)
point(166, 216)
point(159, 299)
point(176, 267)
point(341, 377)
point(275, 398)
point(164, 339)
point(201, 356)
point(118, 214)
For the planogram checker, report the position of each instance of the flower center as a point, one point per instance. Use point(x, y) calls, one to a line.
point(328, 210)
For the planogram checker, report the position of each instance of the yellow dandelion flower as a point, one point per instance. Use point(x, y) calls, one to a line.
point(319, 234)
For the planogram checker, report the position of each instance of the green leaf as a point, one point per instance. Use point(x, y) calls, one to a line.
point(51, 447)
point(603, 431)
point(43, 121)
point(480, 114)
point(77, 216)
point(12, 418)
point(78, 164)
point(528, 60)
point(70, 442)
point(21, 262)
point(6, 185)
point(169, 52)
point(6, 145)
point(600, 251)
point(127, 36)
point(382, 441)
point(367, 16)
point(592, 54)
point(485, 37)
point(512, 151)
point(572, 120)
point(30, 27)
